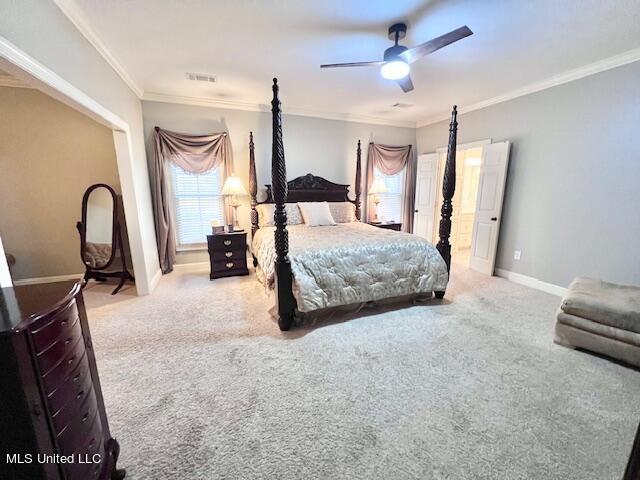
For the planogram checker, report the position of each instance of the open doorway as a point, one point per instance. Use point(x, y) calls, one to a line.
point(481, 169)
point(468, 162)
point(131, 162)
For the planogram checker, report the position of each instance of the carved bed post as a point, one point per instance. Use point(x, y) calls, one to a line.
point(253, 186)
point(286, 303)
point(448, 190)
point(358, 182)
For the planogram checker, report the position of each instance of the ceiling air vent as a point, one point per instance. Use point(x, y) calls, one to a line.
point(402, 105)
point(201, 77)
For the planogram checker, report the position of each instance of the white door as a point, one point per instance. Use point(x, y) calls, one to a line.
point(426, 184)
point(486, 224)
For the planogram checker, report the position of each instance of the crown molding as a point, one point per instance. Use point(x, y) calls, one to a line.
point(619, 60)
point(71, 10)
point(259, 107)
point(13, 82)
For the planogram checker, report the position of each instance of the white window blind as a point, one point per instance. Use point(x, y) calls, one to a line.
point(197, 202)
point(390, 207)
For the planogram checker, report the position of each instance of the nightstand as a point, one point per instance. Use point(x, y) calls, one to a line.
point(228, 254)
point(388, 226)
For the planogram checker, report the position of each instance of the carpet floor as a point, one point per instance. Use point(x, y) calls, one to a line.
point(199, 383)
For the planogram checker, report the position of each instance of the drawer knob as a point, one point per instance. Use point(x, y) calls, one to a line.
point(227, 242)
point(228, 254)
point(84, 417)
point(229, 265)
point(76, 377)
point(67, 341)
point(80, 393)
point(71, 360)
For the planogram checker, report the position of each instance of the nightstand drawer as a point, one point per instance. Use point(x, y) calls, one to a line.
point(229, 265)
point(227, 242)
point(228, 254)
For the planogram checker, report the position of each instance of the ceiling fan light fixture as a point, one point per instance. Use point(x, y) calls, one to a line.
point(395, 69)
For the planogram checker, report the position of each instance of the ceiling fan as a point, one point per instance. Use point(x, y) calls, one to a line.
point(398, 58)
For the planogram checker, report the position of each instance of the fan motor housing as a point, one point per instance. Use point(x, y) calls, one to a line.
point(392, 53)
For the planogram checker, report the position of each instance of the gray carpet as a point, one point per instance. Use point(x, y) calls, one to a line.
point(199, 383)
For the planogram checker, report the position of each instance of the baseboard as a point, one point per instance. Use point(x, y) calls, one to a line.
point(52, 279)
point(531, 282)
point(155, 280)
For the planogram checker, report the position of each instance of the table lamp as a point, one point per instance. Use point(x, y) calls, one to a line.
point(376, 188)
point(233, 187)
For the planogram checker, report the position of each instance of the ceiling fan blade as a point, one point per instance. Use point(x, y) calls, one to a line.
point(437, 43)
point(352, 64)
point(405, 84)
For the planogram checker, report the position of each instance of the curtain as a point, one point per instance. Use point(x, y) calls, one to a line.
point(194, 154)
point(391, 160)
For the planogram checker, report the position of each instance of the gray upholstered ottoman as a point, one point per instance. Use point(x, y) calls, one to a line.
point(602, 317)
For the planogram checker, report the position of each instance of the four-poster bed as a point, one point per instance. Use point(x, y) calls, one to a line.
point(346, 263)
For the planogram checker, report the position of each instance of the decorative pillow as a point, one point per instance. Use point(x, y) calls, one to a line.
point(267, 210)
point(316, 214)
point(343, 212)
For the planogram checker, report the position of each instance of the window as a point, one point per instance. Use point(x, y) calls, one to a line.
point(197, 202)
point(390, 207)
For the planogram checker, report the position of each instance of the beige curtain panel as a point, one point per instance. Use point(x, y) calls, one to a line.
point(391, 160)
point(194, 154)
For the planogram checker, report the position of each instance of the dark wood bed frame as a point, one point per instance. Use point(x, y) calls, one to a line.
point(311, 188)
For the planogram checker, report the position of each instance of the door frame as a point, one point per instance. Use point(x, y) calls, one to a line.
point(29, 70)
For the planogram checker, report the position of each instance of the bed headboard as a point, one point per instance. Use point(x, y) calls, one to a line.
point(310, 188)
point(307, 188)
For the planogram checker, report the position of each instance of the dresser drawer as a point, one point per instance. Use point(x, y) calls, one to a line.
point(70, 386)
point(53, 354)
point(69, 403)
point(47, 330)
point(84, 425)
point(227, 242)
point(228, 255)
point(59, 373)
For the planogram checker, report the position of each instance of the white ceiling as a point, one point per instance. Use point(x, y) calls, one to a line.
point(245, 43)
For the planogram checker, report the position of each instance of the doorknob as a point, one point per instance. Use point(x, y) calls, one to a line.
point(494, 219)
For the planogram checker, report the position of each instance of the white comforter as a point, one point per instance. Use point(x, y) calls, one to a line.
point(352, 263)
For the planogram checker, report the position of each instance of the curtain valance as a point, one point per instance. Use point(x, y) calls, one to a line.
point(194, 154)
point(391, 160)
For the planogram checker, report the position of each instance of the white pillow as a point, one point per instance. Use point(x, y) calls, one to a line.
point(343, 212)
point(267, 210)
point(316, 214)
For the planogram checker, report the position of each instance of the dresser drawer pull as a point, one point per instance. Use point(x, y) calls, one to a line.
point(67, 341)
point(84, 417)
point(229, 265)
point(76, 377)
point(228, 254)
point(70, 361)
point(80, 393)
point(227, 242)
point(63, 323)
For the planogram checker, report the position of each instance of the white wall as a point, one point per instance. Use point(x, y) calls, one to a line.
point(41, 30)
point(572, 197)
point(312, 145)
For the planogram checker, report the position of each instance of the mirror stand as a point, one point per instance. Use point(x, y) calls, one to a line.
point(105, 244)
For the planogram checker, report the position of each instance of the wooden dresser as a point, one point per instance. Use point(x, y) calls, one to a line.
point(51, 402)
point(228, 254)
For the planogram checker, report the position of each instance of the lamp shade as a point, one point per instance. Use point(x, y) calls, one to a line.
point(233, 186)
point(377, 186)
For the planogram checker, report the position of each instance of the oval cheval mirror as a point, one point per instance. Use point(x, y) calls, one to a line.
point(101, 245)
